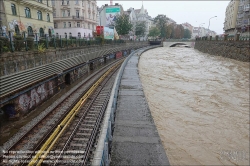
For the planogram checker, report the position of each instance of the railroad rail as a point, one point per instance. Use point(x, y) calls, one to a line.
point(33, 138)
point(85, 128)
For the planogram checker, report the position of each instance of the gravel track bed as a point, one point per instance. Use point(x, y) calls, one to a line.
point(47, 126)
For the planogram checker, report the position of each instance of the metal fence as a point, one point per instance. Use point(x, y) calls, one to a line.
point(22, 42)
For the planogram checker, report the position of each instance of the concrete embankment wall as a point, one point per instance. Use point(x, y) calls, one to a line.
point(238, 50)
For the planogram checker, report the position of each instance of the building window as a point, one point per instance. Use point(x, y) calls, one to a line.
point(77, 13)
point(48, 17)
point(17, 31)
point(89, 15)
point(77, 2)
point(68, 12)
point(82, 3)
point(53, 2)
point(65, 35)
point(62, 2)
point(41, 32)
point(30, 31)
point(13, 8)
point(47, 2)
point(54, 13)
point(64, 24)
point(57, 35)
point(69, 23)
point(68, 2)
point(49, 31)
point(70, 35)
point(41, 1)
point(27, 12)
point(55, 25)
point(88, 26)
point(78, 24)
point(79, 34)
point(63, 13)
point(39, 15)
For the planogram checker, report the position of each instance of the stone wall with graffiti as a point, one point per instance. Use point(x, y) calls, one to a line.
point(31, 99)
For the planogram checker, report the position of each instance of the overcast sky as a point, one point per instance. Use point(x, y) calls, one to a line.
point(193, 12)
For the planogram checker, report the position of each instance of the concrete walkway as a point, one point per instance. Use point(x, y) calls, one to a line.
point(135, 139)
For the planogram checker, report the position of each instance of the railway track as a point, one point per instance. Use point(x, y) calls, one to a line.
point(41, 130)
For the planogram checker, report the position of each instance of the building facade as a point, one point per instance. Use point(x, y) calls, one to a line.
point(231, 16)
point(76, 18)
point(142, 15)
point(243, 17)
point(29, 17)
point(107, 14)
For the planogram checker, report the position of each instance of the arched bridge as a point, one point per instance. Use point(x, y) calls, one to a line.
point(173, 43)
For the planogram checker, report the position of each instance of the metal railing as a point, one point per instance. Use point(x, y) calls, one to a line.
point(22, 42)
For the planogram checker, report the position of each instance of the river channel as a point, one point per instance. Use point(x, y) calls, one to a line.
point(200, 105)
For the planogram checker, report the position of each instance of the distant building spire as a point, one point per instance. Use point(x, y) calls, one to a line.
point(142, 9)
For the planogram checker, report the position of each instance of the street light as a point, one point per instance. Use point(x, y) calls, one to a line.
point(209, 23)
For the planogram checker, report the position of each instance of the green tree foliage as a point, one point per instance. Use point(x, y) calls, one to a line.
point(140, 28)
point(178, 31)
point(160, 22)
point(169, 31)
point(122, 24)
point(154, 32)
point(187, 33)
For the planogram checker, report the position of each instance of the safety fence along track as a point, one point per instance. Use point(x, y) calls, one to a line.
point(83, 106)
point(73, 139)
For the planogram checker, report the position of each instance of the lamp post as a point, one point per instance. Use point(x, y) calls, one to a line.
point(209, 23)
point(199, 28)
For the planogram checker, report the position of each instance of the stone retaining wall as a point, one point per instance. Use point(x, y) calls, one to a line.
point(19, 61)
point(238, 50)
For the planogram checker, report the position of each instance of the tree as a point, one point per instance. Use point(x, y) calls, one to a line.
point(169, 30)
point(153, 32)
point(122, 24)
point(187, 33)
point(178, 31)
point(160, 22)
point(140, 28)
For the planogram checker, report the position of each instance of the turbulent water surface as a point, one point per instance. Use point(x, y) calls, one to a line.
point(200, 105)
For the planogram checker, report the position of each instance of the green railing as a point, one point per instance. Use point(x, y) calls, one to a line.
point(21, 42)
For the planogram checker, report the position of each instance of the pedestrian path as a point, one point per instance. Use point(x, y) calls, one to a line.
point(135, 138)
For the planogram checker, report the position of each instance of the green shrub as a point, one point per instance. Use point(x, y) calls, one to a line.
point(30, 43)
point(42, 41)
point(18, 44)
point(51, 42)
point(5, 42)
point(6, 49)
point(18, 37)
point(41, 48)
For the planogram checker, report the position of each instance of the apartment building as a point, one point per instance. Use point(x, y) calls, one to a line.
point(75, 17)
point(30, 17)
point(230, 17)
point(243, 16)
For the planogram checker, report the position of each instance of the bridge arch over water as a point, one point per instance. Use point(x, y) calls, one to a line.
point(174, 43)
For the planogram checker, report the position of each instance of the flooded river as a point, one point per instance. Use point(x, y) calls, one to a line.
point(200, 105)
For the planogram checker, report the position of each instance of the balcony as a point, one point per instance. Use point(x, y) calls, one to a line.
point(77, 17)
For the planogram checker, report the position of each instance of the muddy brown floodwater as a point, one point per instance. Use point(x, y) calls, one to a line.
point(200, 105)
